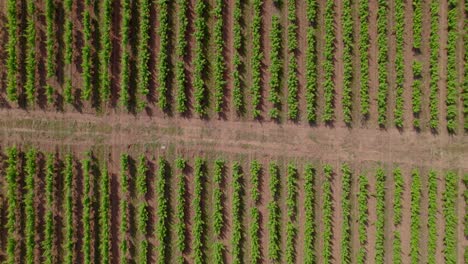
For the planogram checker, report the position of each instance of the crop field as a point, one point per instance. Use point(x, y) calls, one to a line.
point(233, 131)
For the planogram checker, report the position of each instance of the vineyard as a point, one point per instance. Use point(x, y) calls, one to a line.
point(233, 131)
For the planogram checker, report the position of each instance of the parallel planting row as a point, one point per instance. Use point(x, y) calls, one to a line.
point(188, 78)
point(209, 210)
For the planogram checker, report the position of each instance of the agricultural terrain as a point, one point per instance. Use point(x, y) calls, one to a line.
point(233, 131)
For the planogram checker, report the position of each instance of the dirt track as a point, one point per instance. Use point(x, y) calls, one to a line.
point(82, 131)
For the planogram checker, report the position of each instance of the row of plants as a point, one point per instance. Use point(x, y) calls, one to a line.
point(142, 210)
point(12, 63)
point(382, 60)
point(415, 217)
point(397, 247)
point(181, 52)
point(449, 211)
point(399, 62)
point(68, 49)
point(200, 60)
point(50, 47)
point(327, 215)
point(432, 217)
point(311, 61)
point(143, 52)
point(68, 243)
point(237, 191)
point(29, 209)
point(380, 223)
point(30, 85)
point(274, 239)
point(291, 204)
point(293, 80)
point(465, 218)
point(126, 13)
point(255, 250)
point(348, 42)
point(47, 244)
point(104, 215)
point(105, 50)
point(417, 23)
point(364, 45)
point(275, 68)
point(452, 79)
point(328, 64)
point(417, 92)
point(309, 208)
point(434, 46)
point(399, 184)
point(124, 209)
point(162, 229)
point(237, 91)
point(219, 61)
point(346, 214)
point(257, 56)
point(13, 204)
point(198, 218)
point(163, 65)
point(86, 63)
point(87, 208)
point(363, 217)
point(180, 226)
point(218, 218)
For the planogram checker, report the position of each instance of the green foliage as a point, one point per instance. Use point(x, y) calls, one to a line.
point(399, 62)
point(218, 249)
point(68, 207)
point(86, 201)
point(30, 85)
point(397, 259)
point(363, 217)
point(30, 212)
point(218, 219)
point(125, 57)
point(104, 216)
point(465, 196)
point(50, 47)
point(291, 204)
point(106, 49)
point(257, 56)
point(417, 23)
point(49, 235)
point(180, 227)
point(237, 90)
point(434, 65)
point(415, 217)
point(274, 249)
point(346, 212)
point(86, 62)
point(380, 223)
point(255, 251)
point(200, 60)
point(237, 191)
point(348, 41)
point(364, 44)
point(143, 53)
point(417, 92)
point(275, 68)
point(181, 51)
point(398, 196)
point(328, 64)
point(12, 198)
point(309, 208)
point(327, 215)
point(163, 65)
point(311, 61)
point(451, 218)
point(12, 61)
point(124, 210)
point(452, 79)
point(219, 63)
point(142, 226)
point(198, 221)
point(382, 59)
point(68, 47)
point(432, 218)
point(141, 174)
point(293, 80)
point(162, 230)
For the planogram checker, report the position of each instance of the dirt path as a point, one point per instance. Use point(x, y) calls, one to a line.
point(328, 144)
point(406, 216)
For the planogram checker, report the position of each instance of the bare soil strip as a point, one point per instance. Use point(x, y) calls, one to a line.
point(328, 144)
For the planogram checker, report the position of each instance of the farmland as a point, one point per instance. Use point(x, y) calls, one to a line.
point(239, 131)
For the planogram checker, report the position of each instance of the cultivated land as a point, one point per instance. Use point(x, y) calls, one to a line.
point(239, 131)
